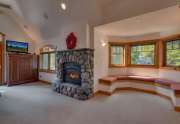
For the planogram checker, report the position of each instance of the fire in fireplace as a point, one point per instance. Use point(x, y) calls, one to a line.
point(72, 73)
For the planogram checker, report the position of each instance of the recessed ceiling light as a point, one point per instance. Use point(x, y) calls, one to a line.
point(63, 6)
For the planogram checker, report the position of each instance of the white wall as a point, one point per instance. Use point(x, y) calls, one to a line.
point(49, 77)
point(13, 32)
point(100, 58)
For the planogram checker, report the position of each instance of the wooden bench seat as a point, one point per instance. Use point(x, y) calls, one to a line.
point(162, 87)
point(108, 80)
point(176, 88)
point(142, 78)
point(159, 81)
point(111, 79)
point(164, 82)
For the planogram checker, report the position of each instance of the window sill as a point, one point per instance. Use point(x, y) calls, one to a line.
point(144, 66)
point(117, 66)
point(171, 68)
point(133, 66)
point(47, 71)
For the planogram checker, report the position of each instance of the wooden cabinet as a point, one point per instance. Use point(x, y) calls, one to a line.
point(23, 68)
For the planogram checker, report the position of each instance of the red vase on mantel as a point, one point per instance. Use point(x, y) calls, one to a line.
point(71, 41)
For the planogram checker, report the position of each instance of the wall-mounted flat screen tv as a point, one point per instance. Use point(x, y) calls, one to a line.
point(15, 46)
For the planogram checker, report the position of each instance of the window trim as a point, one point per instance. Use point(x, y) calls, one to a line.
point(49, 59)
point(164, 51)
point(110, 55)
point(127, 53)
point(148, 42)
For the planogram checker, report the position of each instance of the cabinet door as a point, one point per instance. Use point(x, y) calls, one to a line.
point(25, 68)
point(13, 70)
point(22, 68)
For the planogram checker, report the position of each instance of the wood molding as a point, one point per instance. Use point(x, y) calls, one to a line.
point(177, 95)
point(138, 81)
point(49, 60)
point(160, 59)
point(107, 83)
point(46, 82)
point(2, 54)
point(22, 68)
point(166, 86)
point(177, 108)
point(123, 57)
point(47, 71)
point(102, 93)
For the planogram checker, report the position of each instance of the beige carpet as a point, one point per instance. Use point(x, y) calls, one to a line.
point(37, 104)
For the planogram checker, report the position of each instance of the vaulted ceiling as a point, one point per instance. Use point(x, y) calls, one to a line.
point(47, 18)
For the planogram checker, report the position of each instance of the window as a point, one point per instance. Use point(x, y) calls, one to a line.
point(116, 55)
point(143, 54)
point(173, 53)
point(52, 61)
point(161, 53)
point(47, 59)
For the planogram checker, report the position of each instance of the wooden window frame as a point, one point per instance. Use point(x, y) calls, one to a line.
point(110, 55)
point(163, 62)
point(49, 60)
point(141, 43)
point(160, 53)
point(127, 53)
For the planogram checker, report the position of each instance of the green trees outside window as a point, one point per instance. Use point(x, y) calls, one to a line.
point(143, 54)
point(173, 53)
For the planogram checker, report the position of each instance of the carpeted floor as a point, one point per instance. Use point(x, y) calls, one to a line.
point(36, 104)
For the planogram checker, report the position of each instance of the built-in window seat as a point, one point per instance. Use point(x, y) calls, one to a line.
point(162, 87)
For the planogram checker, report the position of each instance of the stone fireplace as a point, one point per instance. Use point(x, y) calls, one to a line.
point(75, 73)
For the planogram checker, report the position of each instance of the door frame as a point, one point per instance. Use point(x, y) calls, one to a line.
point(2, 59)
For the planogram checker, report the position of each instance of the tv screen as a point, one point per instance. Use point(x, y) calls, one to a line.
point(14, 46)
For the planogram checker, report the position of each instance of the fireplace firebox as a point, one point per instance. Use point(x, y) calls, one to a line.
point(72, 73)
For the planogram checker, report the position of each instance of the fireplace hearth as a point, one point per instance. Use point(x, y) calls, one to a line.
point(75, 73)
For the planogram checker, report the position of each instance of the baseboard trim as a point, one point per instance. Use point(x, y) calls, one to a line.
point(177, 108)
point(107, 83)
point(102, 93)
point(46, 82)
point(177, 95)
